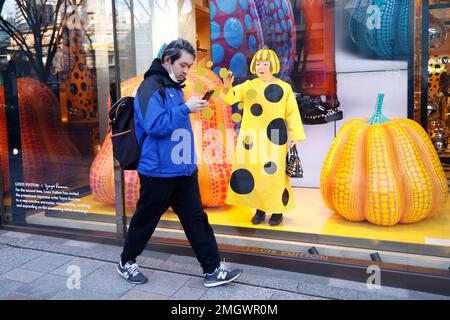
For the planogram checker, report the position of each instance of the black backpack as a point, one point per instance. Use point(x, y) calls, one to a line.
point(126, 148)
point(125, 145)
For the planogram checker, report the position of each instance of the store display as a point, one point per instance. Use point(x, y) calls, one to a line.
point(383, 170)
point(314, 76)
point(240, 28)
point(77, 78)
point(236, 34)
point(380, 27)
point(271, 116)
point(4, 161)
point(438, 101)
point(279, 31)
point(47, 151)
point(214, 139)
point(437, 32)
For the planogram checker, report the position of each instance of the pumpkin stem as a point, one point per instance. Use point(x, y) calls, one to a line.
point(378, 117)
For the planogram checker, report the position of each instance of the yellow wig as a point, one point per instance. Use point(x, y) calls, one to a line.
point(266, 54)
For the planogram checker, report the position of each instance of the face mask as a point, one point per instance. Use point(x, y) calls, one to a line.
point(172, 74)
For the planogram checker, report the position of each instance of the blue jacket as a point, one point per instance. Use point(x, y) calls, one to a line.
point(163, 127)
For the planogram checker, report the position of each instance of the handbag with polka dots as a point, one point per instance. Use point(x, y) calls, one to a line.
point(294, 167)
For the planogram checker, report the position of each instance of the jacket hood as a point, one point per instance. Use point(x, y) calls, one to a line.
point(156, 69)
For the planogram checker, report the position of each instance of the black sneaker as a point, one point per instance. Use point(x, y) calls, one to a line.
point(131, 273)
point(221, 276)
point(276, 219)
point(259, 217)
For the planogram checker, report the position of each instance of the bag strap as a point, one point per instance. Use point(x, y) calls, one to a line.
point(293, 150)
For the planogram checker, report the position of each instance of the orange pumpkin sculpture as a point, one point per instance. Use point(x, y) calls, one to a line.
point(384, 171)
point(47, 151)
point(215, 165)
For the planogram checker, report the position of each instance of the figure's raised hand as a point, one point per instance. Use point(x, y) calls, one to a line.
point(228, 81)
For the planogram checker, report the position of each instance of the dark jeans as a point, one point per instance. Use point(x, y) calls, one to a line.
point(182, 194)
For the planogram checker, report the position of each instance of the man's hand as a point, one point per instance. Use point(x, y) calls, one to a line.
point(195, 104)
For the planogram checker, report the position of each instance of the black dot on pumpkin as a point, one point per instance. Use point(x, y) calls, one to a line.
point(273, 93)
point(256, 109)
point(285, 197)
point(81, 66)
point(83, 86)
point(76, 75)
point(277, 132)
point(242, 181)
point(270, 167)
point(73, 88)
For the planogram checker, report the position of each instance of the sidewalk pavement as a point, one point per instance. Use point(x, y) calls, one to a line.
point(41, 267)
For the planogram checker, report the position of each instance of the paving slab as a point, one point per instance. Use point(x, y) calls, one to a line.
point(233, 291)
point(75, 294)
point(86, 267)
point(188, 293)
point(8, 287)
point(281, 295)
point(106, 280)
point(134, 294)
point(22, 275)
point(44, 287)
point(47, 262)
point(164, 283)
point(11, 258)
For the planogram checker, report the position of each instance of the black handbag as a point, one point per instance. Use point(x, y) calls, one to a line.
point(294, 167)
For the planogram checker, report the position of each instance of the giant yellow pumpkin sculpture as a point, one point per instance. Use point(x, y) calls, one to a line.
point(384, 171)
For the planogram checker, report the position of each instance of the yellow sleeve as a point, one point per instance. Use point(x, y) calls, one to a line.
point(235, 94)
point(293, 119)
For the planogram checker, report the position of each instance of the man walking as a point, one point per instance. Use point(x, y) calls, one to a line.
point(159, 111)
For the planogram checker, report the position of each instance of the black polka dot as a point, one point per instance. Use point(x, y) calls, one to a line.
point(83, 86)
point(247, 146)
point(242, 181)
point(277, 132)
point(76, 75)
point(273, 93)
point(270, 167)
point(285, 197)
point(256, 109)
point(248, 142)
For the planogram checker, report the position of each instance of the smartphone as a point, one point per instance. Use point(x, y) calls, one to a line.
point(208, 94)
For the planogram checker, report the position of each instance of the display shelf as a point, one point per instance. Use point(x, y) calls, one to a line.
point(309, 218)
point(438, 6)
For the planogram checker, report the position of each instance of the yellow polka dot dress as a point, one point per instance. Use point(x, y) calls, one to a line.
point(270, 120)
